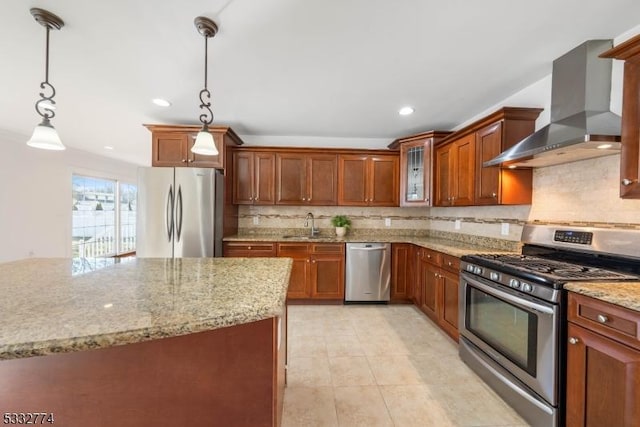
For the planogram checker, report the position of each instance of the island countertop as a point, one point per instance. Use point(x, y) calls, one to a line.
point(46, 309)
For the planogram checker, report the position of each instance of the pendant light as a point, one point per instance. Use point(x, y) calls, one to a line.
point(204, 140)
point(45, 135)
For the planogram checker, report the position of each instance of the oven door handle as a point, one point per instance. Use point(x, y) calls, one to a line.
point(479, 283)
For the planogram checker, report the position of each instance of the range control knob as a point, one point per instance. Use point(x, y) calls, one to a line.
point(470, 268)
point(477, 270)
point(494, 276)
point(514, 283)
point(527, 287)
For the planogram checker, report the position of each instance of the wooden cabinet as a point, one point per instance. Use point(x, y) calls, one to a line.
point(495, 185)
point(461, 178)
point(402, 272)
point(603, 364)
point(249, 249)
point(306, 178)
point(368, 180)
point(629, 51)
point(253, 181)
point(416, 167)
point(439, 281)
point(171, 146)
point(318, 270)
point(455, 168)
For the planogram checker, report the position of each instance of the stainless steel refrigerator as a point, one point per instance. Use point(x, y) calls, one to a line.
point(179, 212)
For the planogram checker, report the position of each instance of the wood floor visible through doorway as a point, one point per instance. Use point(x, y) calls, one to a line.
point(373, 365)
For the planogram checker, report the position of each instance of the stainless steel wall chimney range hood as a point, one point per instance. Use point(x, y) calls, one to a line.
point(582, 126)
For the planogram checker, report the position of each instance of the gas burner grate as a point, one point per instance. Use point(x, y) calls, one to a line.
point(552, 268)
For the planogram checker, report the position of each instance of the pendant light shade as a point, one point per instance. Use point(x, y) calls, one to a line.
point(45, 135)
point(204, 144)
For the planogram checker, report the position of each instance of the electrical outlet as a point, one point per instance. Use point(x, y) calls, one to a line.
point(256, 220)
point(505, 229)
point(387, 222)
point(456, 225)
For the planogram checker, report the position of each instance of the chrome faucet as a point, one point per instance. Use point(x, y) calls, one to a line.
point(314, 230)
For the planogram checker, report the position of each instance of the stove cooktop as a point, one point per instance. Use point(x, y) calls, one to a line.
point(547, 269)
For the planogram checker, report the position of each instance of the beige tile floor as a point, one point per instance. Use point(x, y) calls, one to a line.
point(374, 365)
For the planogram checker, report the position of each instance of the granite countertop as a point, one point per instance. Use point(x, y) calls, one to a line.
point(624, 294)
point(447, 246)
point(45, 309)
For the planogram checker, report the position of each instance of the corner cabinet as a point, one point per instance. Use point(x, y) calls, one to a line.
point(368, 179)
point(629, 51)
point(171, 146)
point(462, 180)
point(416, 167)
point(603, 364)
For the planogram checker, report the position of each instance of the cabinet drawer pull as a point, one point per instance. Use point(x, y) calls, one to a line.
point(628, 181)
point(602, 318)
point(573, 340)
point(249, 247)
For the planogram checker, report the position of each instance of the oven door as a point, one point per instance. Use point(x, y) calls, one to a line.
point(517, 331)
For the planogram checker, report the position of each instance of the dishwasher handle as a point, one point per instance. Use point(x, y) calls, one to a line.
point(381, 248)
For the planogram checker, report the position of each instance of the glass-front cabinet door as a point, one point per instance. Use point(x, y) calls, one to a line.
point(415, 182)
point(416, 160)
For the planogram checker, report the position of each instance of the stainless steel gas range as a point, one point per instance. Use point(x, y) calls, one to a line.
point(513, 310)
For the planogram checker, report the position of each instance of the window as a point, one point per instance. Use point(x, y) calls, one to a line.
point(103, 217)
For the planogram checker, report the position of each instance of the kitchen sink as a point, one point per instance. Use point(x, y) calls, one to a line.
point(301, 237)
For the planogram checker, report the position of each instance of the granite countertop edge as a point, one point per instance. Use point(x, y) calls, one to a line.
point(447, 246)
point(623, 294)
point(247, 313)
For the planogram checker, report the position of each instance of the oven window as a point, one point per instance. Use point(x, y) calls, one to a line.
point(508, 329)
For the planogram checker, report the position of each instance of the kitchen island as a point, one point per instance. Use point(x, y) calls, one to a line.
point(190, 341)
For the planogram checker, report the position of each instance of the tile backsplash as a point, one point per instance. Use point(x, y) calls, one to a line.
point(581, 193)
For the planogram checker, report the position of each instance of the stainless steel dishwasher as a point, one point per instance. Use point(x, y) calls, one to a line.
point(368, 272)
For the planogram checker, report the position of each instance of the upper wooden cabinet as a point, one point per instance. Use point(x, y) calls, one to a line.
point(416, 164)
point(629, 51)
point(368, 179)
point(461, 178)
point(253, 181)
point(306, 178)
point(455, 167)
point(171, 146)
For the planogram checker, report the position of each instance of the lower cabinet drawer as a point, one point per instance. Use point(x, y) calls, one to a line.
point(249, 249)
point(610, 320)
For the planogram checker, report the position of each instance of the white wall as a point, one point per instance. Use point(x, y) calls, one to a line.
point(35, 195)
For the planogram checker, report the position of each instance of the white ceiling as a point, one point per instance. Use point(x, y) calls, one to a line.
point(322, 68)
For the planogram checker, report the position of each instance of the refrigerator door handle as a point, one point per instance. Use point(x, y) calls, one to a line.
point(169, 214)
point(179, 214)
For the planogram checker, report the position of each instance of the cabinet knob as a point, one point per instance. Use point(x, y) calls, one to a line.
point(308, 261)
point(251, 199)
point(249, 247)
point(573, 340)
point(628, 181)
point(449, 263)
point(256, 199)
point(494, 195)
point(184, 160)
point(602, 318)
point(303, 199)
point(429, 256)
point(314, 261)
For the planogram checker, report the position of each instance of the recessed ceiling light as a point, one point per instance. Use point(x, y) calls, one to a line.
point(108, 147)
point(161, 102)
point(604, 146)
point(405, 111)
point(512, 167)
